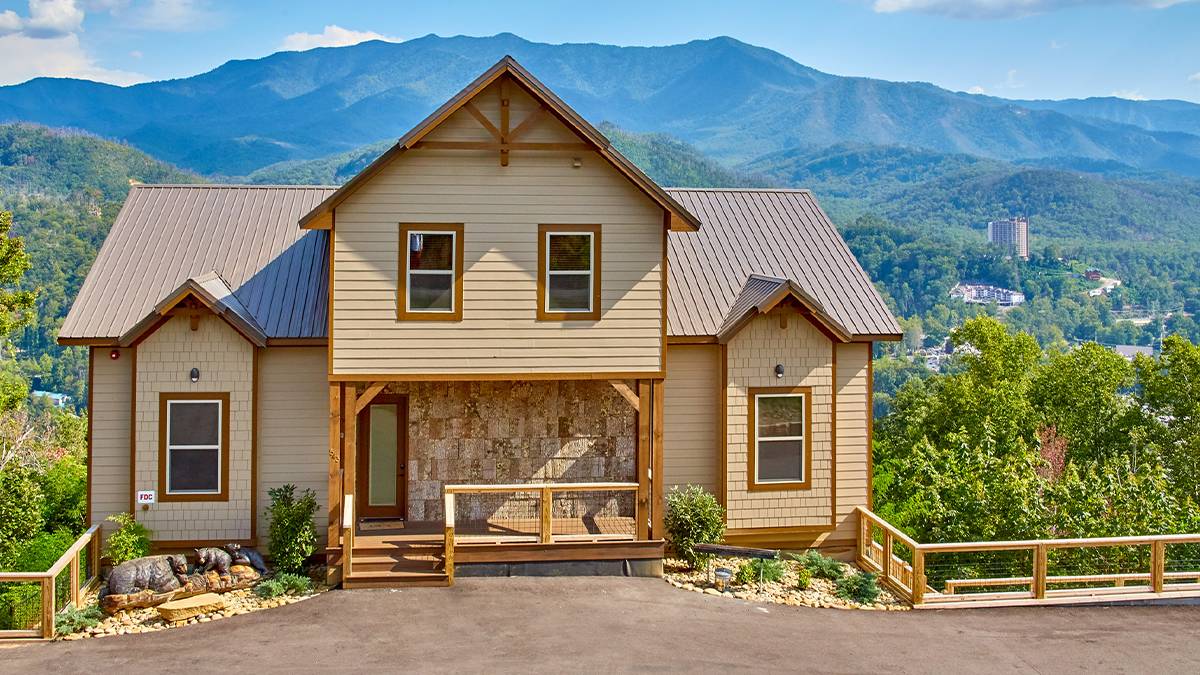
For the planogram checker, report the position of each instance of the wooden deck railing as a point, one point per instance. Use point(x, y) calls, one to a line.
point(83, 561)
point(540, 529)
point(903, 565)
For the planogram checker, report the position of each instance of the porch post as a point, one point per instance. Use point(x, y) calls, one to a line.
point(657, 498)
point(334, 492)
point(645, 438)
point(349, 467)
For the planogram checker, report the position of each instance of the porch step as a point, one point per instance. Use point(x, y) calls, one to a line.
point(391, 560)
point(394, 579)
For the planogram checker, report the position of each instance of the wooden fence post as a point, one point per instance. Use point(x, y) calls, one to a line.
point(75, 579)
point(1158, 563)
point(886, 562)
point(546, 530)
point(1039, 571)
point(918, 576)
point(448, 542)
point(48, 607)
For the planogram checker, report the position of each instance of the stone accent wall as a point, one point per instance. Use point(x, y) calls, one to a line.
point(226, 363)
point(513, 432)
point(807, 357)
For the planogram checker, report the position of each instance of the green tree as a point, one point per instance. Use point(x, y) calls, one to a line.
point(14, 261)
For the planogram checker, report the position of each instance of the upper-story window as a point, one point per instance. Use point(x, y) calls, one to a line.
point(568, 273)
point(431, 261)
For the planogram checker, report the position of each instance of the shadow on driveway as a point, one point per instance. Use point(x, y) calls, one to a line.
point(620, 624)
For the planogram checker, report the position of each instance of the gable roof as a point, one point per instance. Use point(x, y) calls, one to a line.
point(167, 236)
point(680, 217)
point(775, 233)
point(761, 294)
point(214, 293)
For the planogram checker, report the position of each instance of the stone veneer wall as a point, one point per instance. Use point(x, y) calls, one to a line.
point(513, 432)
point(226, 363)
point(807, 357)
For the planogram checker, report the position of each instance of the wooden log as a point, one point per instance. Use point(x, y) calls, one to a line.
point(736, 551)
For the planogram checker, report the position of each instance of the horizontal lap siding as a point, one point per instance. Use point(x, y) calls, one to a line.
point(109, 414)
point(293, 427)
point(690, 411)
point(852, 446)
point(500, 208)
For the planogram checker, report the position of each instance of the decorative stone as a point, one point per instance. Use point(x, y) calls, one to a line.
point(185, 608)
point(240, 576)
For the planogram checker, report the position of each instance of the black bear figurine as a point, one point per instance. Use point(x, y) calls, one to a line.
point(158, 573)
point(247, 556)
point(213, 558)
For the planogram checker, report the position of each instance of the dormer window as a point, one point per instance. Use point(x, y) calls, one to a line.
point(568, 273)
point(431, 262)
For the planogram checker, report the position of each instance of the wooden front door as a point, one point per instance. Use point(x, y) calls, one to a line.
point(382, 458)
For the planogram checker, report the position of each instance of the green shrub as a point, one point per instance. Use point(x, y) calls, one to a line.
point(131, 540)
point(64, 494)
point(803, 578)
point(860, 587)
point(292, 537)
point(20, 606)
point(39, 553)
point(752, 571)
point(271, 588)
point(74, 620)
point(294, 583)
point(693, 517)
point(821, 566)
point(20, 511)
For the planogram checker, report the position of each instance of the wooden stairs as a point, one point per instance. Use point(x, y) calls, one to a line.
point(395, 559)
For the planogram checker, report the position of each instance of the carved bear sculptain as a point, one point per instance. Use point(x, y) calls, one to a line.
point(157, 573)
point(247, 556)
point(213, 558)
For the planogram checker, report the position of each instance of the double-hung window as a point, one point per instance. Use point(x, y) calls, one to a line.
point(431, 260)
point(568, 273)
point(781, 436)
point(194, 446)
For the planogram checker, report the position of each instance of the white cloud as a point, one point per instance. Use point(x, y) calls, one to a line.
point(1010, 80)
point(976, 90)
point(23, 57)
point(1131, 94)
point(47, 20)
point(1055, 44)
point(1003, 9)
point(1194, 78)
point(332, 36)
point(137, 54)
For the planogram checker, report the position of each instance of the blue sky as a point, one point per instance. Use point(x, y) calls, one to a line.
point(1009, 48)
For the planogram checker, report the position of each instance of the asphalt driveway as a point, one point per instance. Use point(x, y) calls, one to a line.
point(619, 624)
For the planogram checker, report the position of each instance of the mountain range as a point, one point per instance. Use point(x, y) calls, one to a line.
point(734, 101)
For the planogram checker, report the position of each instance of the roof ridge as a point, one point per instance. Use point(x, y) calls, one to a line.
point(738, 189)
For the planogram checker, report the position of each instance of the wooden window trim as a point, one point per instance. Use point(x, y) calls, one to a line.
point(752, 483)
point(544, 232)
point(402, 312)
point(163, 399)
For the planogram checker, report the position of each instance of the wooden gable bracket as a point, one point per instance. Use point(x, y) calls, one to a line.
point(503, 135)
point(192, 310)
point(369, 395)
point(503, 124)
point(624, 389)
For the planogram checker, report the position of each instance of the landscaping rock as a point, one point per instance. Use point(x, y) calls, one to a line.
point(185, 608)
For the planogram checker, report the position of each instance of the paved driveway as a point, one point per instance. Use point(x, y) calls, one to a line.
point(618, 624)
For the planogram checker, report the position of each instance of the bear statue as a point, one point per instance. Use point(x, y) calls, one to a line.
point(157, 573)
point(247, 556)
point(213, 558)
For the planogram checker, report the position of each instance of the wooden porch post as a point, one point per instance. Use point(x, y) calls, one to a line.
point(657, 498)
point(334, 493)
point(349, 462)
point(645, 438)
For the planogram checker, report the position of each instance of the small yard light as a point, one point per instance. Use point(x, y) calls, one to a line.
point(195, 374)
point(723, 575)
point(779, 370)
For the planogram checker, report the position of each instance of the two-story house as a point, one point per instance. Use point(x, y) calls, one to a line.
point(497, 346)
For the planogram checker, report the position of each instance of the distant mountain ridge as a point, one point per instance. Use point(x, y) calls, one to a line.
point(732, 100)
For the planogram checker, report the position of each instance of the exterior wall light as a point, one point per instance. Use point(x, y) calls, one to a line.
point(114, 354)
point(778, 371)
point(195, 375)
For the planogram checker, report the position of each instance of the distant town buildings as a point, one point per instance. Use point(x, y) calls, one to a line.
point(1011, 234)
point(982, 294)
point(1092, 274)
point(56, 399)
point(1131, 351)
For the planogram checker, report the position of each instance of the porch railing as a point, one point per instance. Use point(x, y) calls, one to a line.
point(1034, 571)
point(539, 513)
point(79, 568)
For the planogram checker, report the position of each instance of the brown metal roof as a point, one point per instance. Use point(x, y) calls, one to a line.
point(771, 233)
point(761, 294)
point(166, 235)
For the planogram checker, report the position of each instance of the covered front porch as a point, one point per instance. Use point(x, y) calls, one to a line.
point(432, 479)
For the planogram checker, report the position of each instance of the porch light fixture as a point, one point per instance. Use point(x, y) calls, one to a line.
point(195, 375)
point(576, 162)
point(779, 370)
point(114, 354)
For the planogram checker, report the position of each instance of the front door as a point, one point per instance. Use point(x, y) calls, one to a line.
point(382, 456)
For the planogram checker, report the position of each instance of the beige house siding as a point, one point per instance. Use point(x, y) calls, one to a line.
point(807, 357)
point(691, 408)
point(109, 415)
point(293, 427)
point(225, 361)
point(853, 384)
point(500, 208)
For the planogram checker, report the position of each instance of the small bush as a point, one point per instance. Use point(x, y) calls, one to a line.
point(752, 571)
point(860, 588)
point(39, 553)
point(271, 588)
point(131, 540)
point(693, 517)
point(20, 511)
point(74, 620)
point(292, 537)
point(64, 494)
point(803, 578)
point(821, 566)
point(295, 584)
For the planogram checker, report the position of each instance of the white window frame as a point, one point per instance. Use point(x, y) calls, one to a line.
point(758, 439)
point(452, 272)
point(220, 450)
point(591, 271)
